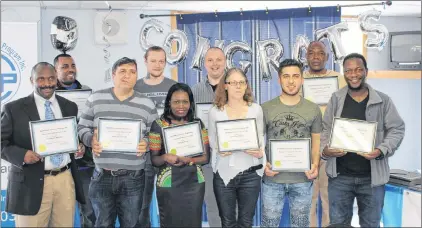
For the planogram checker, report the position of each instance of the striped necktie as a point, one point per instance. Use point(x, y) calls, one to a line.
point(56, 159)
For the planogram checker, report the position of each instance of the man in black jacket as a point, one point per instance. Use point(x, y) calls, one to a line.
point(66, 80)
point(40, 191)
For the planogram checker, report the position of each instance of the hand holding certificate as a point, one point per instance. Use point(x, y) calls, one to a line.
point(184, 140)
point(237, 135)
point(54, 136)
point(119, 135)
point(353, 135)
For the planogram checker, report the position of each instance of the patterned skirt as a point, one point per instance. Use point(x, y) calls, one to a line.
point(180, 196)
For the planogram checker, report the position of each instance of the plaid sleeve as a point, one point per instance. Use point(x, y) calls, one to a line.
point(205, 136)
point(154, 137)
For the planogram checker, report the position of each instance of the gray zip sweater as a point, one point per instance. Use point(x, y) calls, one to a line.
point(390, 131)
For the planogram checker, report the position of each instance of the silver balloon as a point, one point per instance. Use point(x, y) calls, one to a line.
point(219, 44)
point(202, 45)
point(182, 47)
point(333, 34)
point(245, 65)
point(265, 59)
point(378, 30)
point(234, 47)
point(299, 49)
point(146, 29)
point(64, 33)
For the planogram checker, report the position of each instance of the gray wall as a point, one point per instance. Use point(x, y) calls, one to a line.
point(378, 60)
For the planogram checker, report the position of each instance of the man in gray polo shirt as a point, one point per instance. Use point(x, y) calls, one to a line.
point(215, 63)
point(155, 86)
point(117, 184)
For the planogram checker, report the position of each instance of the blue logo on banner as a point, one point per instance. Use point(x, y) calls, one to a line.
point(7, 219)
point(10, 77)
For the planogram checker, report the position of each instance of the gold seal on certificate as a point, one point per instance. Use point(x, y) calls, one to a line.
point(119, 135)
point(79, 96)
point(237, 135)
point(184, 140)
point(353, 135)
point(290, 155)
point(54, 136)
point(201, 112)
point(319, 89)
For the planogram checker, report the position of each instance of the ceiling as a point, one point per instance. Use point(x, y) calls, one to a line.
point(398, 8)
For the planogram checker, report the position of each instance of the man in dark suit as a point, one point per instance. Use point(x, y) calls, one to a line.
point(41, 191)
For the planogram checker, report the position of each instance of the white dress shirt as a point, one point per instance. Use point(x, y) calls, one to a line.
point(40, 101)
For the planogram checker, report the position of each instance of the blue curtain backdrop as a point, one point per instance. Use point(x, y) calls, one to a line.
point(249, 27)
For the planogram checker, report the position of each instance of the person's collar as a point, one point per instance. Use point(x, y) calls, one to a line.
point(60, 87)
point(38, 98)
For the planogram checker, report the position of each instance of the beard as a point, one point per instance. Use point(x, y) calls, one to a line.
point(359, 87)
point(68, 82)
point(290, 94)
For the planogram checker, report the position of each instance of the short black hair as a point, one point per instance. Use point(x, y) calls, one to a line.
point(124, 60)
point(290, 62)
point(60, 55)
point(155, 48)
point(39, 65)
point(355, 56)
point(167, 109)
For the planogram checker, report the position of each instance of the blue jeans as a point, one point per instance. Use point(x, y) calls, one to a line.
point(342, 192)
point(116, 195)
point(87, 215)
point(300, 199)
point(244, 190)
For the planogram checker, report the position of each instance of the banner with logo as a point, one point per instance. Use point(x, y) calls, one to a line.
point(19, 53)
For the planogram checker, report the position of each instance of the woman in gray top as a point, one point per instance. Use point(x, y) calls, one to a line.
point(237, 174)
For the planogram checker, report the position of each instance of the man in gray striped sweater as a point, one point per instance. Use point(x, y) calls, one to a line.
point(117, 183)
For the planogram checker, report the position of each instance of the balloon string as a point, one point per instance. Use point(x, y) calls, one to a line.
point(105, 49)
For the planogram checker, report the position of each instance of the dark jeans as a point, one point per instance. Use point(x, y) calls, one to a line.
point(244, 188)
point(342, 191)
point(144, 217)
point(117, 196)
point(87, 215)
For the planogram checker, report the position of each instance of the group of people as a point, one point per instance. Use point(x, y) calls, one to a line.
point(42, 191)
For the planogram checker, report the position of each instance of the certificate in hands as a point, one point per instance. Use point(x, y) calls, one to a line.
point(201, 112)
point(290, 155)
point(79, 96)
point(54, 136)
point(353, 135)
point(320, 89)
point(237, 135)
point(184, 140)
point(119, 135)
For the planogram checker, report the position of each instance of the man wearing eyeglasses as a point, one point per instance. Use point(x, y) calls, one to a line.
point(317, 57)
point(360, 175)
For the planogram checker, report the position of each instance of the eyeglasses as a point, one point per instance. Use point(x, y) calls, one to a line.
point(235, 83)
point(185, 102)
point(356, 71)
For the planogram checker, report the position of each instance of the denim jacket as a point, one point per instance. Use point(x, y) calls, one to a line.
point(390, 131)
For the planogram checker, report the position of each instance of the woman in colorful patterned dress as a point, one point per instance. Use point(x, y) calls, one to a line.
point(180, 181)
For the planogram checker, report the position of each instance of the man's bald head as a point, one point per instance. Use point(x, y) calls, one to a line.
point(215, 62)
point(317, 56)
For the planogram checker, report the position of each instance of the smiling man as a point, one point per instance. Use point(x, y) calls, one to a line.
point(358, 175)
point(66, 73)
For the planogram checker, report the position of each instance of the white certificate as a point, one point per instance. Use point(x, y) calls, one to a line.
point(184, 140)
point(353, 135)
point(79, 96)
point(201, 112)
point(237, 135)
point(54, 136)
point(291, 155)
point(119, 135)
point(320, 89)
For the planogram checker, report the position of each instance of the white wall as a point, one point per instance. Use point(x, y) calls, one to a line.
point(89, 56)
